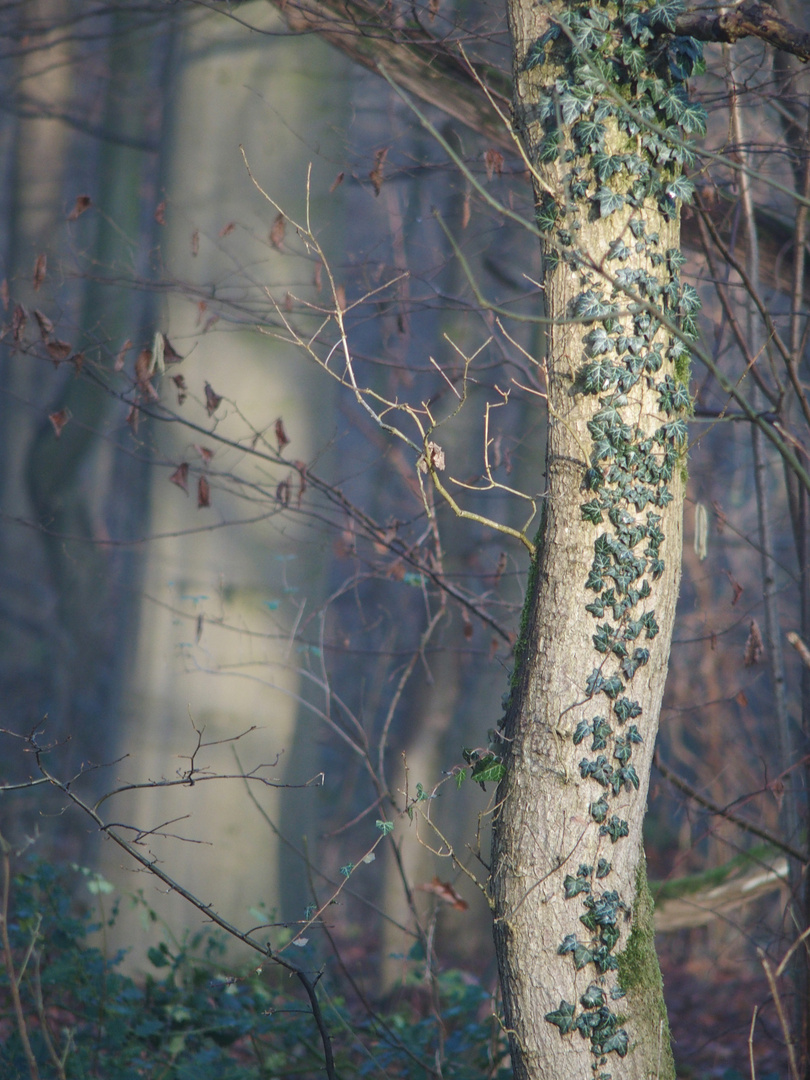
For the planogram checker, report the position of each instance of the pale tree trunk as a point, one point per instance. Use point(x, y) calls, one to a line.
point(581, 985)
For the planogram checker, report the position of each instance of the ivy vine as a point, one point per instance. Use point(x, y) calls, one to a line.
point(615, 112)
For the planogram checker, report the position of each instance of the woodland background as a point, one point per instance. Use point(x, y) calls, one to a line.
point(229, 558)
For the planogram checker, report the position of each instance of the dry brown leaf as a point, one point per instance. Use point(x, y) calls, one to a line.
point(466, 622)
point(445, 891)
point(58, 350)
point(283, 492)
point(340, 297)
point(741, 698)
point(466, 210)
point(44, 323)
point(376, 174)
point(493, 163)
point(738, 589)
point(277, 232)
point(59, 419)
point(83, 202)
point(170, 354)
point(203, 493)
point(180, 383)
point(40, 270)
point(18, 320)
point(281, 435)
point(226, 230)
point(754, 646)
point(180, 476)
point(212, 400)
point(302, 479)
point(122, 354)
point(78, 361)
point(336, 182)
point(4, 293)
point(160, 213)
point(204, 452)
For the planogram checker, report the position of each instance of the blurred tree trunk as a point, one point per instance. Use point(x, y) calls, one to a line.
point(573, 927)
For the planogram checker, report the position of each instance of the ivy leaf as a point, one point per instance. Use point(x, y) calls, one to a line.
point(618, 1043)
point(573, 886)
point(593, 997)
point(680, 188)
point(563, 1017)
point(631, 664)
point(598, 811)
point(488, 770)
point(385, 827)
point(582, 732)
point(609, 201)
point(618, 250)
point(616, 828)
point(591, 512)
point(594, 682)
point(612, 686)
point(603, 867)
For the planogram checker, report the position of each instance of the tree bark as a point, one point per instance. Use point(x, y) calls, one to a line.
point(573, 929)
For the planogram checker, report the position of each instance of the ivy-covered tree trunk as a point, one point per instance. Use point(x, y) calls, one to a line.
point(603, 113)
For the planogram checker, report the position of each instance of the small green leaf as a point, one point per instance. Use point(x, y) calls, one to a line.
point(563, 1018)
point(385, 827)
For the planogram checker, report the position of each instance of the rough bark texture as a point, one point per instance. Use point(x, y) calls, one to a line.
point(582, 989)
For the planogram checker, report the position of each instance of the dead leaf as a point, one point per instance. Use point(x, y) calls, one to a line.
point(500, 566)
point(195, 243)
point(18, 320)
point(738, 589)
point(336, 182)
point(143, 368)
point(58, 350)
point(277, 232)
point(83, 202)
point(160, 213)
point(281, 435)
point(226, 230)
point(180, 476)
point(340, 297)
point(493, 163)
point(317, 277)
point(212, 400)
point(376, 174)
point(122, 353)
point(302, 479)
point(78, 361)
point(283, 492)
point(465, 210)
point(209, 323)
point(59, 419)
point(721, 517)
point(288, 301)
point(204, 452)
point(45, 325)
point(180, 383)
point(433, 9)
point(433, 457)
point(134, 418)
point(203, 493)
point(754, 646)
point(741, 699)
point(445, 891)
point(170, 354)
point(466, 623)
point(40, 269)
point(4, 293)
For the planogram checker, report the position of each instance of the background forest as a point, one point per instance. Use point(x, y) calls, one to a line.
point(240, 630)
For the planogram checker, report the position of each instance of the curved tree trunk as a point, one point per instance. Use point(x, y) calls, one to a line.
point(573, 930)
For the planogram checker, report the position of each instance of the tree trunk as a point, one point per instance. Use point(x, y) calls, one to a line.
point(573, 930)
